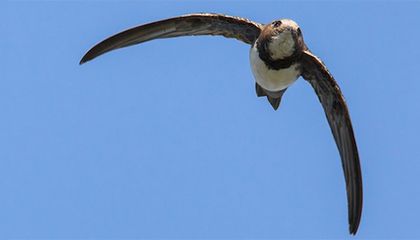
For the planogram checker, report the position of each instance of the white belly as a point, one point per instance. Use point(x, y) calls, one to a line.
point(269, 79)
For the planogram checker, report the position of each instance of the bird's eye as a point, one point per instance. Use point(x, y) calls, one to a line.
point(276, 23)
point(298, 30)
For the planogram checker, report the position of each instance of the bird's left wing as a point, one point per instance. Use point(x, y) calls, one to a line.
point(332, 100)
point(186, 25)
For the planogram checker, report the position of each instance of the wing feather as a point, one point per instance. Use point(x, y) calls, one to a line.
point(338, 117)
point(186, 25)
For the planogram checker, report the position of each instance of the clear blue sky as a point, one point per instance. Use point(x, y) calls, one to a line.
point(168, 139)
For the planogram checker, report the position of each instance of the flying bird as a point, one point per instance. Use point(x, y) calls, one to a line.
point(278, 56)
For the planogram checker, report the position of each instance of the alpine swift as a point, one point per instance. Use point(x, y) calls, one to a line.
point(278, 56)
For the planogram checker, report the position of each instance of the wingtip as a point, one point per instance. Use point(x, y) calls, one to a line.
point(353, 228)
point(84, 59)
point(89, 55)
point(354, 220)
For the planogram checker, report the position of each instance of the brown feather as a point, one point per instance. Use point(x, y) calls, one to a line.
point(187, 25)
point(338, 118)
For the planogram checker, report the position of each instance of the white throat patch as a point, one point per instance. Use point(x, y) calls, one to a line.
point(270, 79)
point(282, 45)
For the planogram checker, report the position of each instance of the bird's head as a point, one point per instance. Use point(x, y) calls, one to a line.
point(282, 38)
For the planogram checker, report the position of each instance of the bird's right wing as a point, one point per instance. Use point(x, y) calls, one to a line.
point(338, 117)
point(186, 25)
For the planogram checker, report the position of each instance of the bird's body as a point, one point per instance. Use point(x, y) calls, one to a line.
point(271, 79)
point(278, 56)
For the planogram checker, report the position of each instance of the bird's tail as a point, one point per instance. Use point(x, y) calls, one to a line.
point(274, 98)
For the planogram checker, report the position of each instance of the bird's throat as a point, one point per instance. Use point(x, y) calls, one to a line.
point(273, 79)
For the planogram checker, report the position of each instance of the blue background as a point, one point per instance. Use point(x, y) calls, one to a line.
point(168, 139)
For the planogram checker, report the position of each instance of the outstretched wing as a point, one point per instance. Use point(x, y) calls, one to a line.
point(338, 117)
point(186, 25)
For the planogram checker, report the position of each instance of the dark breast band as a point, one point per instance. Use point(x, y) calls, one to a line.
point(263, 51)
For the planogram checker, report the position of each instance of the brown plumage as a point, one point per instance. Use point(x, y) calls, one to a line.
point(187, 25)
point(261, 38)
point(335, 107)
